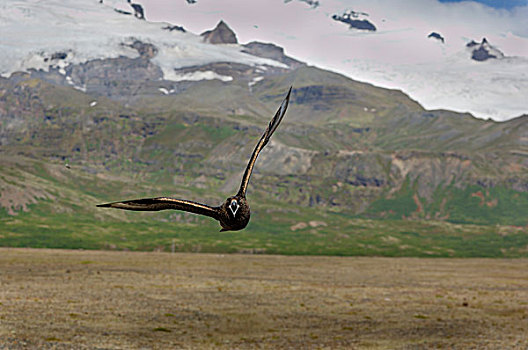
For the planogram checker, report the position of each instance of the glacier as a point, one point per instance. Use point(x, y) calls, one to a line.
point(33, 31)
point(397, 56)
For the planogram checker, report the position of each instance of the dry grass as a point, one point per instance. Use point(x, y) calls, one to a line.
point(91, 299)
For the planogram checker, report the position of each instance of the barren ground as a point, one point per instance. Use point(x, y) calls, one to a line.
point(121, 300)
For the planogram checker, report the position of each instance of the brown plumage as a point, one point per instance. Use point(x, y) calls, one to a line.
point(234, 213)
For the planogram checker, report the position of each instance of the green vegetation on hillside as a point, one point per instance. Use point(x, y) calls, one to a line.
point(353, 170)
point(470, 205)
point(66, 217)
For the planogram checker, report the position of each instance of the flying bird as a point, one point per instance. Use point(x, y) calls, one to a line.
point(234, 213)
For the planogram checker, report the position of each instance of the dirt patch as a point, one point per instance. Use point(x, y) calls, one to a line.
point(491, 203)
point(480, 195)
point(89, 299)
point(391, 240)
point(298, 226)
point(317, 223)
point(419, 207)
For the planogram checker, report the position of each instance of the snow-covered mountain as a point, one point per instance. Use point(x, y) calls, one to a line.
point(55, 34)
point(59, 34)
point(397, 55)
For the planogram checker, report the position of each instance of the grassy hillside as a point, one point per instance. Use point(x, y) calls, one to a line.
point(353, 170)
point(56, 208)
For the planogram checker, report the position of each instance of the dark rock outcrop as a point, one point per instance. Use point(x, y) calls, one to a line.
point(138, 11)
point(145, 50)
point(123, 12)
point(59, 56)
point(321, 95)
point(352, 18)
point(483, 51)
point(222, 34)
point(437, 36)
point(313, 3)
point(174, 28)
point(481, 54)
point(271, 51)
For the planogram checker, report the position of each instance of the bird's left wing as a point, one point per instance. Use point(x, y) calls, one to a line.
point(274, 123)
point(162, 203)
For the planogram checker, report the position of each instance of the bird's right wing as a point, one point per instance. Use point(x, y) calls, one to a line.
point(162, 203)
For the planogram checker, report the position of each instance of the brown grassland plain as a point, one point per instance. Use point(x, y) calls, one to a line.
point(60, 299)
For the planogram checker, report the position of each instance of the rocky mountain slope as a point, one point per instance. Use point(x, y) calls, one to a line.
point(344, 146)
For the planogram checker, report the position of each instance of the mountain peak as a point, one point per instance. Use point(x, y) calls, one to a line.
point(483, 51)
point(222, 34)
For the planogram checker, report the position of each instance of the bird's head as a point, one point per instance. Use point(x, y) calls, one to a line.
point(233, 205)
point(235, 213)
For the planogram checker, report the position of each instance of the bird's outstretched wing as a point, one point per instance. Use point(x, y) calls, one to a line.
point(274, 123)
point(162, 203)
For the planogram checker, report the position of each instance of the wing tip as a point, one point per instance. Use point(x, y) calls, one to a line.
point(105, 205)
point(287, 98)
point(286, 101)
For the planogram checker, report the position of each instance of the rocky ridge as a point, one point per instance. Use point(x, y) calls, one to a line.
point(483, 51)
point(355, 20)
